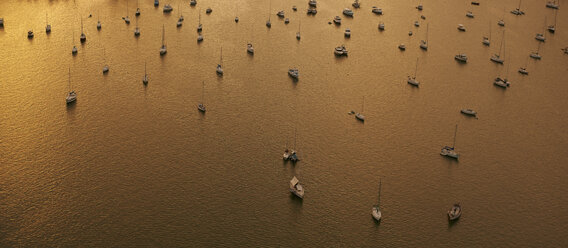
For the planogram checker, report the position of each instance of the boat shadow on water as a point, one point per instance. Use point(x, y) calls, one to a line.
point(452, 223)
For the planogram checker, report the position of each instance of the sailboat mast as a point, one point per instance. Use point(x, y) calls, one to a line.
point(163, 33)
point(81, 25)
point(202, 91)
point(455, 133)
point(489, 30)
point(294, 138)
point(69, 79)
point(45, 18)
point(363, 106)
point(427, 27)
point(145, 68)
point(221, 57)
point(269, 7)
point(416, 69)
point(379, 203)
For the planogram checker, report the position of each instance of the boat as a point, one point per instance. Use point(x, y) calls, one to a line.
point(381, 26)
point(487, 40)
point(552, 4)
point(540, 36)
point(552, 28)
point(199, 38)
point(250, 49)
point(312, 11)
point(536, 55)
point(461, 27)
point(287, 20)
point(419, 7)
point(416, 24)
point(47, 25)
point(156, 3)
point(290, 154)
point(474, 3)
point(523, 70)
point(193, 2)
point(294, 73)
point(455, 212)
point(424, 43)
point(83, 37)
point(163, 48)
point(280, 14)
point(503, 83)
point(497, 57)
point(126, 18)
point(71, 96)
point(356, 4)
point(470, 112)
point(469, 14)
point(359, 115)
point(412, 80)
point(402, 47)
point(337, 20)
point(199, 26)
point(136, 29)
point(145, 78)
point(462, 57)
point(99, 26)
point(377, 10)
point(168, 8)
point(268, 23)
point(105, 67)
point(347, 32)
point(518, 10)
point(2, 22)
point(296, 188)
point(450, 151)
point(348, 12)
point(376, 210)
point(208, 11)
point(30, 34)
point(201, 105)
point(501, 23)
point(312, 3)
point(137, 9)
point(219, 66)
point(340, 51)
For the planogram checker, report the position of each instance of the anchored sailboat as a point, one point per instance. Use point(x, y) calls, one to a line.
point(376, 212)
point(449, 151)
point(412, 80)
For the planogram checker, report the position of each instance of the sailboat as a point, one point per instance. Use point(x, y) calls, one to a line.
point(424, 44)
point(237, 14)
point(83, 37)
point(296, 188)
point(47, 25)
point(412, 80)
point(201, 106)
point(137, 29)
point(137, 8)
point(455, 212)
point(523, 70)
point(126, 19)
point(99, 26)
point(487, 41)
point(180, 18)
point(376, 212)
point(449, 151)
point(163, 49)
point(540, 36)
point(360, 116)
point(298, 33)
point(105, 67)
point(71, 96)
point(145, 78)
point(552, 4)
point(536, 55)
point(552, 28)
point(501, 22)
point(497, 57)
point(219, 66)
point(268, 23)
point(199, 27)
point(74, 50)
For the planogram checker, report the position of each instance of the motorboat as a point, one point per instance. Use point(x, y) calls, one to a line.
point(287, 20)
point(286, 155)
point(312, 11)
point(1, 22)
point(377, 10)
point(280, 14)
point(381, 26)
point(105, 69)
point(296, 188)
point(348, 12)
point(462, 57)
point(455, 212)
point(294, 73)
point(208, 11)
point(486, 41)
point(199, 38)
point(356, 4)
point(30, 34)
point(416, 24)
point(503, 83)
point(501, 23)
point(312, 3)
point(552, 5)
point(337, 20)
point(294, 8)
point(402, 47)
point(469, 14)
point(474, 3)
point(535, 55)
point(193, 2)
point(419, 7)
point(250, 48)
point(340, 51)
point(156, 3)
point(461, 27)
point(168, 8)
point(348, 32)
point(470, 112)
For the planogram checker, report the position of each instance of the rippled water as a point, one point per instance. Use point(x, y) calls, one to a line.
point(129, 165)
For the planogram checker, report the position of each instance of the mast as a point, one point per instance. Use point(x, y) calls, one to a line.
point(379, 203)
point(163, 33)
point(489, 31)
point(202, 92)
point(427, 25)
point(126, 8)
point(69, 80)
point(46, 18)
point(269, 7)
point(294, 138)
point(145, 69)
point(221, 57)
point(504, 46)
point(363, 106)
point(81, 25)
point(455, 133)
